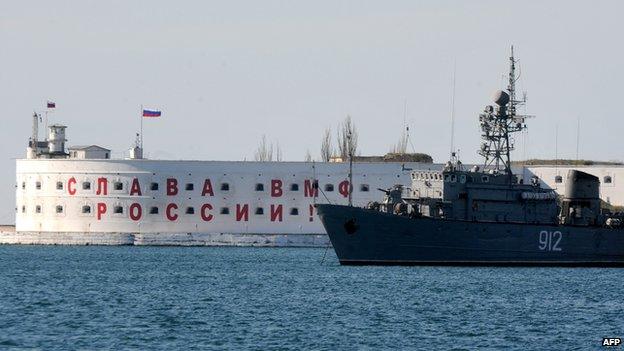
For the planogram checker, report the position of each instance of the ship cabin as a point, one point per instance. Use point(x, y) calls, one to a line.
point(475, 195)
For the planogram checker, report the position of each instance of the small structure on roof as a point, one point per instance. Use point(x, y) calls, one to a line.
point(89, 152)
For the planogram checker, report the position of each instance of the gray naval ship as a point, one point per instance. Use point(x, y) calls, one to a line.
point(481, 216)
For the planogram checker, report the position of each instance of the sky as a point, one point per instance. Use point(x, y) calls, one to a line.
point(226, 73)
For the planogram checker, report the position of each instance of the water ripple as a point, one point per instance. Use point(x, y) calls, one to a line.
point(162, 298)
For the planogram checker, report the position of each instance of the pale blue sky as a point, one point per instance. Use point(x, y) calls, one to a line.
point(224, 73)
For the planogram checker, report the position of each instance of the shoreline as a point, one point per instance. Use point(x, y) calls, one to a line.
point(8, 237)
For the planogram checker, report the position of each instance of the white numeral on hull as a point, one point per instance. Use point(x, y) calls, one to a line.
point(549, 241)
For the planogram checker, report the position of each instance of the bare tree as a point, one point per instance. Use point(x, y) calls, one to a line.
point(278, 152)
point(265, 151)
point(308, 156)
point(327, 149)
point(401, 145)
point(347, 139)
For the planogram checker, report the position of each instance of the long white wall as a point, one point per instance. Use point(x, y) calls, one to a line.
point(611, 179)
point(50, 196)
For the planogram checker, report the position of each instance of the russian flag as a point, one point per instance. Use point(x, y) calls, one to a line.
point(151, 113)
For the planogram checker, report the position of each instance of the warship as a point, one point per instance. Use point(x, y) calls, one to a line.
point(483, 215)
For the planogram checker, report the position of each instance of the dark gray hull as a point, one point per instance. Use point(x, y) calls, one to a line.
point(383, 239)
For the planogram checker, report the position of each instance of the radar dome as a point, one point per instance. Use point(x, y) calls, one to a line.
point(501, 98)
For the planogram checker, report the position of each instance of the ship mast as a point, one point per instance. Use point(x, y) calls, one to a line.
point(498, 123)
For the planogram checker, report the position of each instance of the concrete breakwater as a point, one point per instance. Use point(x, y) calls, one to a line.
point(163, 239)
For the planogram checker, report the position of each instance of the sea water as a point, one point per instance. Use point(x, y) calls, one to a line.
point(195, 298)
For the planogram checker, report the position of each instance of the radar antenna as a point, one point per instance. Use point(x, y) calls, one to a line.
point(498, 123)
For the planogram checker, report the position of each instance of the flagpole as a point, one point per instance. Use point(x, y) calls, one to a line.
point(141, 116)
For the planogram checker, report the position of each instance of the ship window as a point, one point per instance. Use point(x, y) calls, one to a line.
point(59, 209)
point(23, 185)
point(558, 179)
point(38, 209)
point(294, 211)
point(117, 209)
point(118, 185)
point(189, 186)
point(364, 187)
point(154, 186)
point(38, 185)
point(59, 185)
point(106, 155)
point(294, 187)
point(225, 210)
point(329, 187)
point(86, 209)
point(608, 179)
point(462, 178)
point(190, 210)
point(453, 178)
point(154, 210)
point(259, 187)
point(485, 179)
point(86, 186)
point(225, 187)
point(259, 211)
point(446, 177)
point(23, 209)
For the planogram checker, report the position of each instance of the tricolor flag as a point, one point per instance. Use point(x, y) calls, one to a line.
point(51, 104)
point(151, 113)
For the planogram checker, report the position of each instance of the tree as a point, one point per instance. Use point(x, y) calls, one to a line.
point(327, 149)
point(264, 152)
point(278, 152)
point(347, 139)
point(308, 156)
point(401, 145)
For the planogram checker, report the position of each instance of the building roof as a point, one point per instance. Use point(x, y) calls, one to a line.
point(88, 147)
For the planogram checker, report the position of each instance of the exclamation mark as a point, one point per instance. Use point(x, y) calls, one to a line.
point(311, 213)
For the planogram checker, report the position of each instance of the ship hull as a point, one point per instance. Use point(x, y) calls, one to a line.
point(367, 237)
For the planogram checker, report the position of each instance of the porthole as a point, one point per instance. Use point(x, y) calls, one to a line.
point(59, 209)
point(154, 186)
point(153, 210)
point(329, 187)
point(118, 185)
point(59, 185)
point(86, 209)
point(364, 187)
point(294, 187)
point(189, 187)
point(224, 210)
point(190, 210)
point(118, 209)
point(86, 186)
point(225, 186)
point(259, 211)
point(259, 187)
point(294, 211)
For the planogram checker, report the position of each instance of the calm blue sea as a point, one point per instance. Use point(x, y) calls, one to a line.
point(168, 298)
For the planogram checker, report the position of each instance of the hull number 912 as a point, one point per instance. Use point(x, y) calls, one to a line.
point(549, 241)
